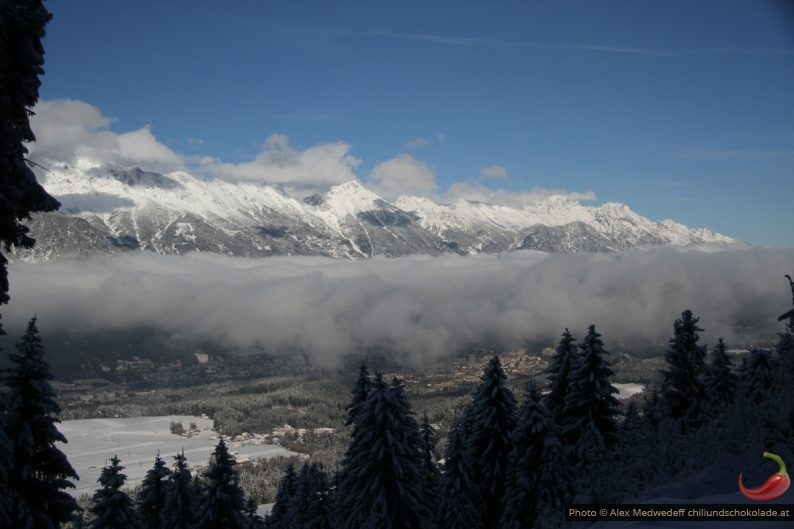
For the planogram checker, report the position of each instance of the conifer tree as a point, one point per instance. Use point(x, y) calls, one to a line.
point(682, 386)
point(6, 500)
point(591, 397)
point(223, 502)
point(39, 471)
point(360, 392)
point(491, 417)
point(460, 497)
point(179, 504)
point(539, 482)
point(380, 477)
point(757, 374)
point(565, 360)
point(310, 507)
point(277, 519)
point(111, 506)
point(22, 24)
point(720, 382)
point(430, 473)
point(151, 497)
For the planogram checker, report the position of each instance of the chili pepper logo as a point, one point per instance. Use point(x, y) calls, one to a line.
point(774, 487)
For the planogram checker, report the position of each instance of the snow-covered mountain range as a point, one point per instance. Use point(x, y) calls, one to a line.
point(114, 209)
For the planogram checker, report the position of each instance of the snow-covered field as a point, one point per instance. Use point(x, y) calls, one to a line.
point(136, 441)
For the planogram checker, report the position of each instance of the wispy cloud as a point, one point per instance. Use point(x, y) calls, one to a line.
point(495, 172)
point(417, 142)
point(743, 51)
point(456, 40)
point(449, 40)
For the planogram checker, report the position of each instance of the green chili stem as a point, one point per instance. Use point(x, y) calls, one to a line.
point(782, 471)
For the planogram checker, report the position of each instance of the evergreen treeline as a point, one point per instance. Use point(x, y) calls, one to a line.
point(510, 465)
point(507, 464)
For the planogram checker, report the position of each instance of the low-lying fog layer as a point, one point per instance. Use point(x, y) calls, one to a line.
point(414, 306)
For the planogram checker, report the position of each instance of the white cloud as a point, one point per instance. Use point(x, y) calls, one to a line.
point(495, 172)
point(504, 197)
point(280, 163)
point(71, 130)
point(402, 175)
point(416, 143)
point(416, 307)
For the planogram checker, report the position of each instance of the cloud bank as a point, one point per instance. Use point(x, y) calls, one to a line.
point(79, 134)
point(71, 130)
point(417, 308)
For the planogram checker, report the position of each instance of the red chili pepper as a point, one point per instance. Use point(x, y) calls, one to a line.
point(776, 485)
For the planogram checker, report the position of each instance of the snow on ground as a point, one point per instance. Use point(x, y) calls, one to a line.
point(137, 440)
point(627, 390)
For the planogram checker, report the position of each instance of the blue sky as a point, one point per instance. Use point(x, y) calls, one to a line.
point(681, 109)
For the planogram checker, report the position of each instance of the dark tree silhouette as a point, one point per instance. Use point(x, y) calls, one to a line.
point(22, 24)
point(682, 385)
point(720, 382)
point(591, 399)
point(151, 497)
point(564, 361)
point(310, 507)
point(491, 417)
point(539, 481)
point(6, 500)
point(111, 506)
point(430, 472)
point(360, 393)
point(180, 501)
point(223, 503)
point(39, 471)
point(277, 519)
point(757, 374)
point(380, 477)
point(460, 496)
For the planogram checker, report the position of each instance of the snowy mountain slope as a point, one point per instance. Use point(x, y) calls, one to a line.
point(112, 209)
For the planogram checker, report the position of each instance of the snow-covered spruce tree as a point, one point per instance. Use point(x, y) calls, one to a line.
point(491, 417)
point(380, 476)
point(277, 519)
point(591, 396)
point(592, 461)
point(22, 24)
point(720, 382)
point(757, 375)
point(539, 483)
point(151, 496)
point(430, 473)
point(310, 507)
point(180, 502)
point(562, 363)
point(634, 464)
point(111, 506)
point(39, 471)
point(305, 491)
point(785, 359)
point(6, 501)
point(360, 393)
point(459, 495)
point(682, 382)
point(223, 501)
